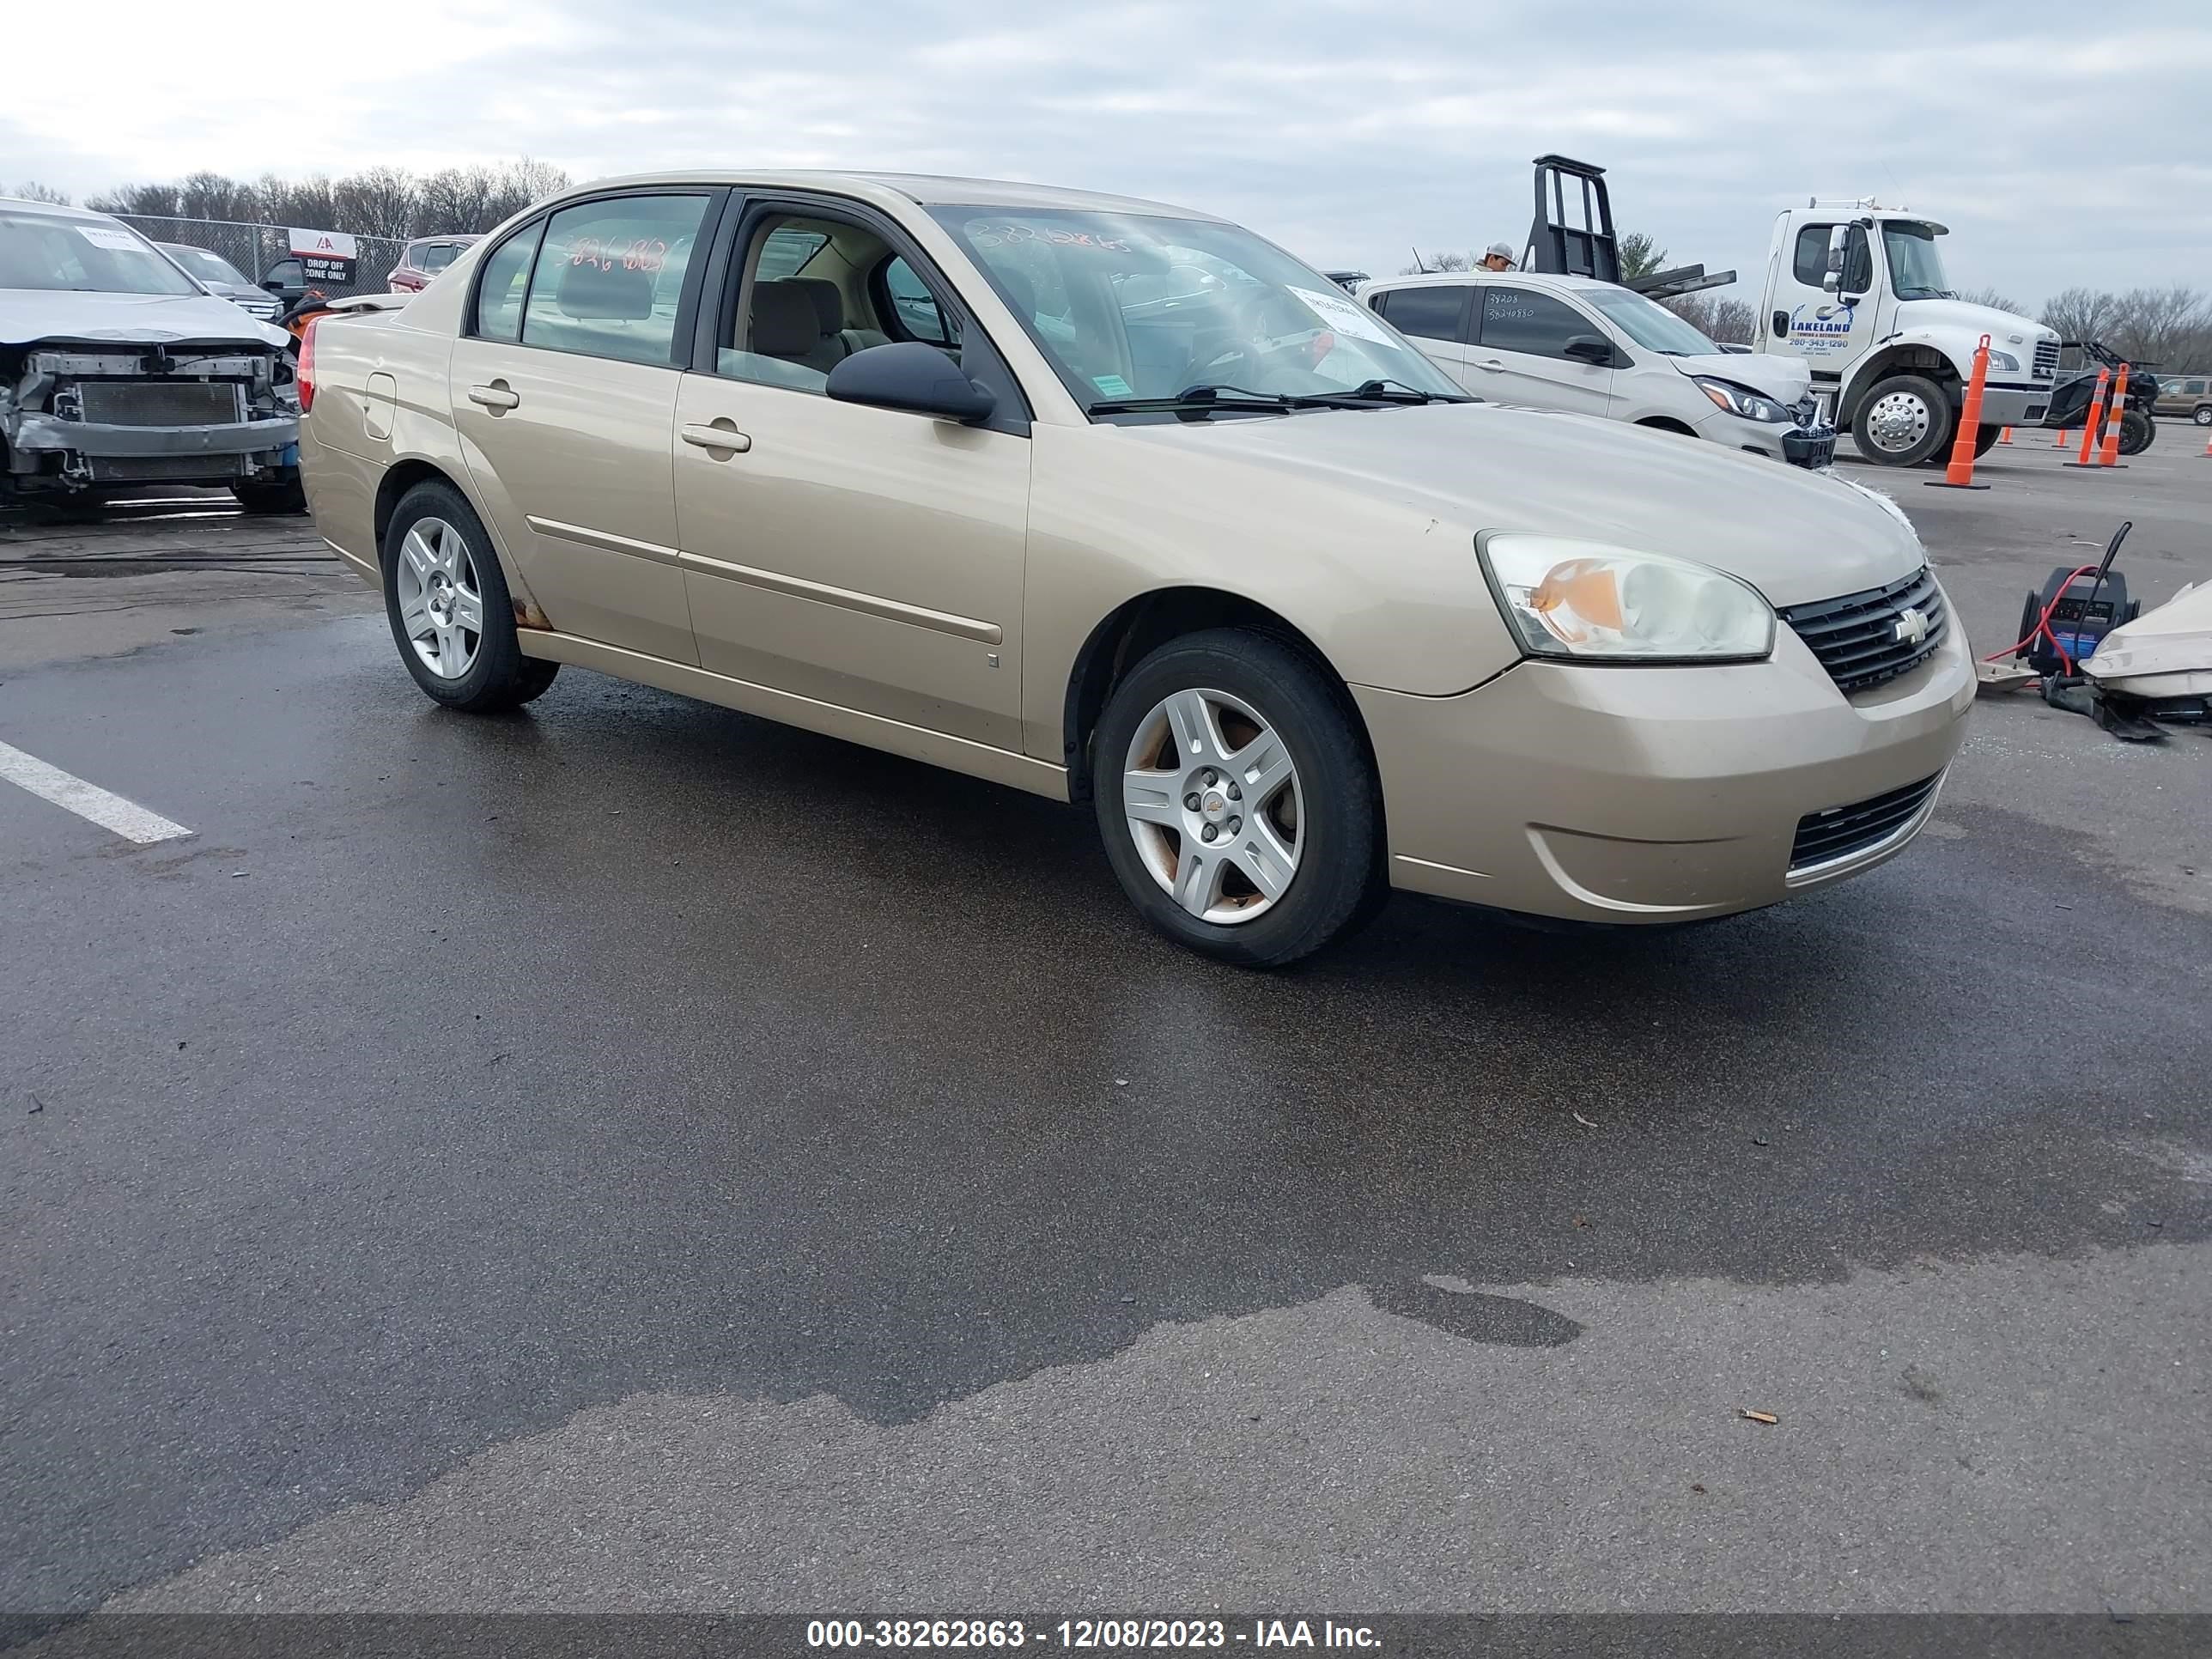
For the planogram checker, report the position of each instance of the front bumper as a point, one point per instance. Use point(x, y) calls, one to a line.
point(1631, 795)
point(1813, 447)
point(2015, 405)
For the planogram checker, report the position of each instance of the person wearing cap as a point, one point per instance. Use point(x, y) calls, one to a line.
point(1497, 257)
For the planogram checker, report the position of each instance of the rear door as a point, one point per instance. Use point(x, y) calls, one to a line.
point(1520, 352)
point(564, 396)
point(1434, 317)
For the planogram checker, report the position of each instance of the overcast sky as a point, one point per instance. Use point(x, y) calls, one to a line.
point(2062, 144)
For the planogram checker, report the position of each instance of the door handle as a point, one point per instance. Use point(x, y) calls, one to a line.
point(728, 439)
point(496, 397)
point(1492, 364)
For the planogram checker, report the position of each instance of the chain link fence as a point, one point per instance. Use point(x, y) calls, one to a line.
point(253, 248)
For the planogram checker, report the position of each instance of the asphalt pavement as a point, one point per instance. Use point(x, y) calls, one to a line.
point(629, 1155)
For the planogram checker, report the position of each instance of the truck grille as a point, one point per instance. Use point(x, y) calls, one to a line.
point(1841, 832)
point(1863, 639)
point(160, 402)
point(154, 469)
point(2047, 359)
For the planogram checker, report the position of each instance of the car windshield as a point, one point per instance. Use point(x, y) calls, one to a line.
point(1649, 324)
point(208, 267)
point(1136, 306)
point(85, 256)
point(1916, 269)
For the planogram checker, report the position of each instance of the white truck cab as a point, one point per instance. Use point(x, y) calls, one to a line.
point(1857, 292)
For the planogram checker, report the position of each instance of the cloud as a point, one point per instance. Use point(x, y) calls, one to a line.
point(1346, 131)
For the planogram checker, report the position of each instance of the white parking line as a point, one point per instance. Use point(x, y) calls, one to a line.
point(88, 800)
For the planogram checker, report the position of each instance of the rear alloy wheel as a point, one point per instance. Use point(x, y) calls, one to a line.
point(1237, 799)
point(447, 599)
point(1903, 421)
point(2201, 415)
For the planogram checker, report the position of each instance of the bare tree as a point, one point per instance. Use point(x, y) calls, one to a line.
point(2081, 314)
point(32, 191)
point(379, 202)
point(2167, 326)
point(1731, 322)
point(1995, 300)
point(155, 199)
point(1432, 264)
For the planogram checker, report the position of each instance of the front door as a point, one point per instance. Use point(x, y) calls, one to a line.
point(1520, 352)
point(1828, 331)
point(564, 396)
point(865, 558)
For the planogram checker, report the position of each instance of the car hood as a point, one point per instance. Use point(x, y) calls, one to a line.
point(2004, 329)
point(28, 315)
point(1785, 380)
point(1794, 534)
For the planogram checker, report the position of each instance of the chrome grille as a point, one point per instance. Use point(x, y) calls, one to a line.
point(1863, 639)
point(1840, 832)
point(2047, 359)
point(160, 402)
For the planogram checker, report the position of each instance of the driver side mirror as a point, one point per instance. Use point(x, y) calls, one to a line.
point(907, 375)
point(1589, 349)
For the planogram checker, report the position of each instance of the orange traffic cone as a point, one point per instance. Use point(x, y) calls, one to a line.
point(2060, 441)
point(2110, 457)
point(2005, 437)
point(2089, 427)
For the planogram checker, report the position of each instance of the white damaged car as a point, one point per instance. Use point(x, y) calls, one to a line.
point(118, 370)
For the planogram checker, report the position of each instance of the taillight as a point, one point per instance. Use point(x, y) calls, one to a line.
point(303, 371)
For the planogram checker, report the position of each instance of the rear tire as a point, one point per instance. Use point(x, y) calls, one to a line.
point(1295, 791)
point(2201, 415)
point(2137, 432)
point(441, 575)
point(289, 497)
point(1985, 438)
point(1902, 420)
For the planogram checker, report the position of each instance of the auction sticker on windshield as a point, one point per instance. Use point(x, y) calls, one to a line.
point(116, 241)
point(1340, 313)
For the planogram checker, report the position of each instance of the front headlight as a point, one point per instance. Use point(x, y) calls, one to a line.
point(2004, 363)
point(1596, 603)
point(1740, 399)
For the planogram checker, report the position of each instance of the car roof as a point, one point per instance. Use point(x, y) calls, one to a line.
point(1524, 278)
point(55, 211)
point(924, 188)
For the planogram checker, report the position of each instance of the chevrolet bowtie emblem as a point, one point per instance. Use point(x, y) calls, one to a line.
point(1912, 626)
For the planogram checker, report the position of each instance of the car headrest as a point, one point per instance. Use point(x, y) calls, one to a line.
point(591, 289)
point(829, 303)
point(785, 322)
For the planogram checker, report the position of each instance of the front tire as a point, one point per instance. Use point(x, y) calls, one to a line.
point(447, 600)
point(1237, 800)
point(1902, 420)
point(2137, 432)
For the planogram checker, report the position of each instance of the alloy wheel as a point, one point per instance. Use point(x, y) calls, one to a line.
point(441, 598)
point(1212, 798)
point(1898, 421)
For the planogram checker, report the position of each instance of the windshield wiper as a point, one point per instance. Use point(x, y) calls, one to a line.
point(1397, 392)
point(1199, 400)
point(1206, 398)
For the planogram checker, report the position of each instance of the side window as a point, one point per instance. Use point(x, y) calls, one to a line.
point(914, 312)
point(499, 294)
point(786, 252)
point(1430, 313)
point(1811, 261)
point(1518, 319)
point(285, 272)
point(608, 277)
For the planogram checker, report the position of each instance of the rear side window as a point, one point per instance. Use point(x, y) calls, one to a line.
point(1433, 313)
point(609, 276)
point(1520, 320)
point(436, 256)
point(499, 292)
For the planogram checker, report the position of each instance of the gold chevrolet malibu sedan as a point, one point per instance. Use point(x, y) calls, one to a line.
point(1121, 504)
